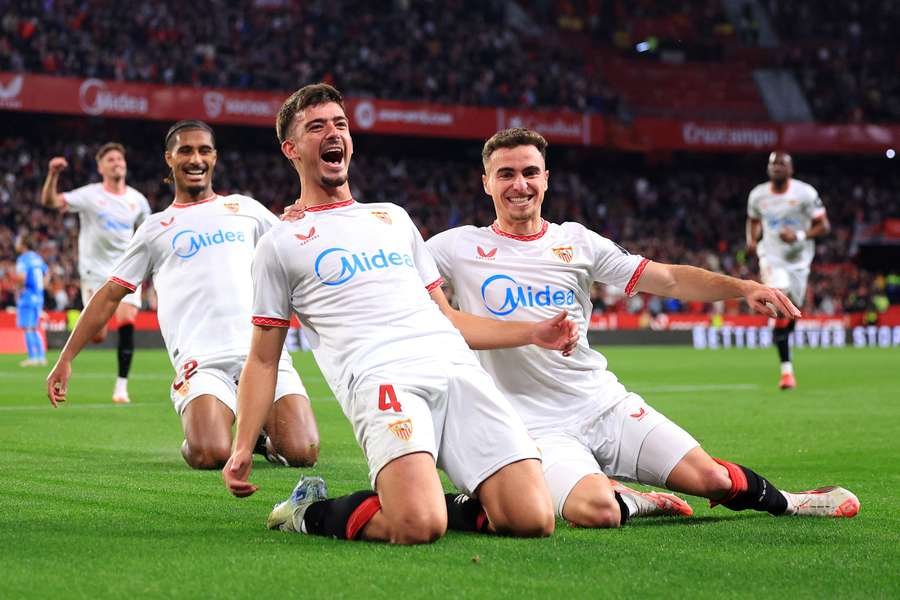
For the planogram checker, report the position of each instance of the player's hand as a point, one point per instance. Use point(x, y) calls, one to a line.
point(788, 235)
point(237, 472)
point(557, 333)
point(772, 302)
point(294, 212)
point(58, 382)
point(57, 164)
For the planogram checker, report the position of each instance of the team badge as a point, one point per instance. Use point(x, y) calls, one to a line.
point(382, 216)
point(486, 254)
point(232, 206)
point(564, 253)
point(403, 429)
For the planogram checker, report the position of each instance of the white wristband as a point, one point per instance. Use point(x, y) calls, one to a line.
point(801, 235)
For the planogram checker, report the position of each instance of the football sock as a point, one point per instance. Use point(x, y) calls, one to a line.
point(749, 490)
point(781, 336)
point(465, 514)
point(624, 508)
point(29, 344)
point(40, 351)
point(126, 349)
point(787, 368)
point(342, 518)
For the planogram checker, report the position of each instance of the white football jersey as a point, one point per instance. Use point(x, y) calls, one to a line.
point(358, 276)
point(107, 223)
point(796, 207)
point(530, 278)
point(199, 257)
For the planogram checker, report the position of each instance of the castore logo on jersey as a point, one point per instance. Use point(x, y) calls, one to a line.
point(335, 266)
point(502, 295)
point(187, 242)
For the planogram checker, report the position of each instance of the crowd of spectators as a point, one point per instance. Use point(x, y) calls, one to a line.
point(672, 213)
point(481, 52)
point(846, 56)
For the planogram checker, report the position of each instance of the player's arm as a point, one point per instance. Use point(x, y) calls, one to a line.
point(50, 196)
point(691, 283)
point(254, 400)
point(480, 333)
point(820, 226)
point(754, 232)
point(96, 314)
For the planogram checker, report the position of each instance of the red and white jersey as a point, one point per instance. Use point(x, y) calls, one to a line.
point(107, 222)
point(358, 276)
point(199, 257)
point(796, 207)
point(530, 278)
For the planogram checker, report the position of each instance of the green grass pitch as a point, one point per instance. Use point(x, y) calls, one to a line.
point(95, 500)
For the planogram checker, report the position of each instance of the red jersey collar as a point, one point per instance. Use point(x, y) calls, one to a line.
point(190, 204)
point(330, 205)
point(522, 238)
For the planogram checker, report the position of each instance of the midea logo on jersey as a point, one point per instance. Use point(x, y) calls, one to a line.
point(335, 266)
point(110, 223)
point(514, 295)
point(188, 242)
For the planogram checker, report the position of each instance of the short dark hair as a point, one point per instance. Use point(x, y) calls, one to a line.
point(187, 125)
point(309, 95)
point(510, 138)
point(107, 148)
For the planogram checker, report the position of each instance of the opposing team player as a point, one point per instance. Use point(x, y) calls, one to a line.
point(587, 425)
point(30, 272)
point(368, 294)
point(199, 252)
point(789, 215)
point(108, 213)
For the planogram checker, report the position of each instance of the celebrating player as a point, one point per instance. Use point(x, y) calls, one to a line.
point(368, 294)
point(30, 272)
point(587, 425)
point(789, 215)
point(108, 212)
point(199, 252)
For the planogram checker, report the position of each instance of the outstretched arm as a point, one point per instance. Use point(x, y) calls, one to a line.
point(691, 283)
point(556, 333)
point(255, 392)
point(50, 196)
point(96, 314)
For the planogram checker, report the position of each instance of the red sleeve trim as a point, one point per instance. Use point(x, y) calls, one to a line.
point(629, 289)
point(123, 283)
point(270, 322)
point(435, 284)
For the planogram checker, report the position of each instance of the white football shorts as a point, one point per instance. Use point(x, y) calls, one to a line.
point(788, 278)
point(632, 441)
point(90, 285)
point(218, 376)
point(461, 419)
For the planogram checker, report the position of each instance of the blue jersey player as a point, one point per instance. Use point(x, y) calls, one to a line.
point(30, 270)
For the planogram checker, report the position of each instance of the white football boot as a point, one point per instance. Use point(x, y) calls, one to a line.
point(288, 515)
point(831, 501)
point(652, 504)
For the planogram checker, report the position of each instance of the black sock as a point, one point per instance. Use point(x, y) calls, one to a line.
point(465, 514)
point(337, 517)
point(623, 508)
point(126, 349)
point(750, 490)
point(781, 337)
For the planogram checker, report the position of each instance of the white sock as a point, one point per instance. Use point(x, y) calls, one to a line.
point(787, 368)
point(121, 384)
point(790, 505)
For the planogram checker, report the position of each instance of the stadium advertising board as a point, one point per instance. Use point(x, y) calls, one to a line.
point(102, 98)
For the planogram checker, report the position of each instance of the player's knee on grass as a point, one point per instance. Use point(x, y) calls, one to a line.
point(699, 475)
point(205, 456)
point(295, 450)
point(593, 511)
point(418, 527)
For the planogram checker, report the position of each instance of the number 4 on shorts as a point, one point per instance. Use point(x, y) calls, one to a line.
point(387, 398)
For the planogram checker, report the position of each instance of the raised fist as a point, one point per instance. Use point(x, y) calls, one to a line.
point(57, 164)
